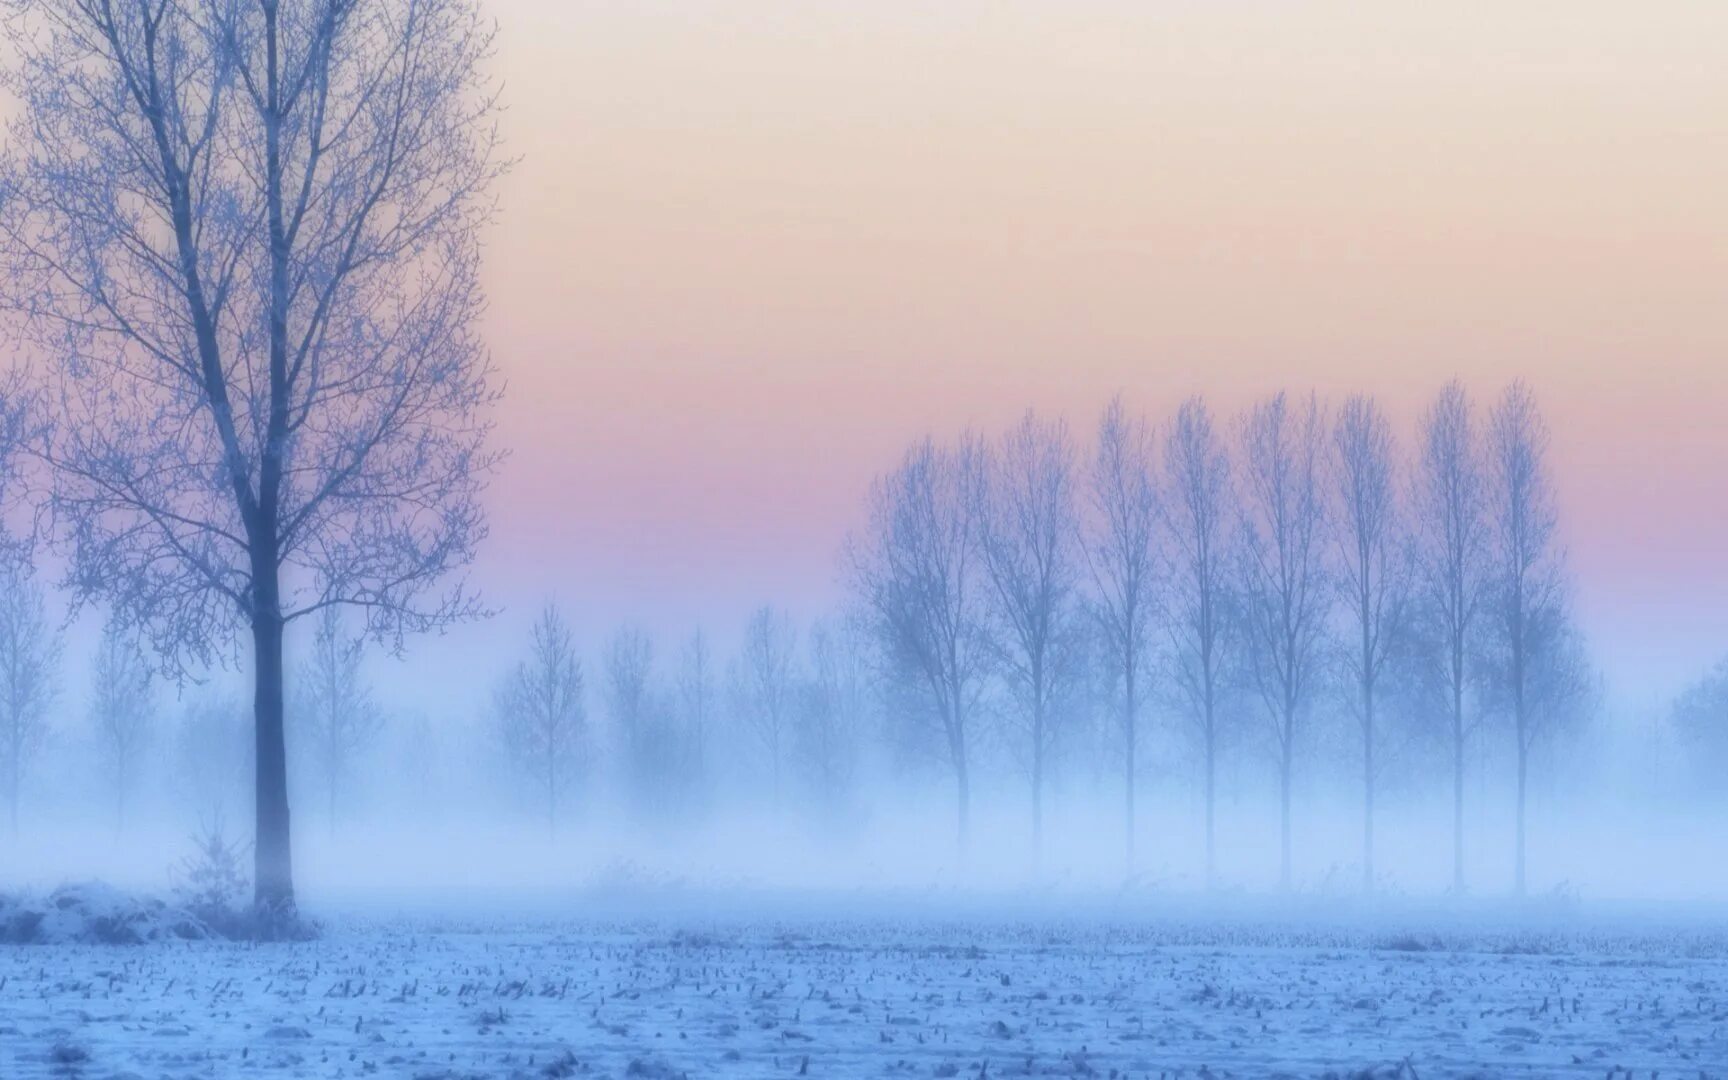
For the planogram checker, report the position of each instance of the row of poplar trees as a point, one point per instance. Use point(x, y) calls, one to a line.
point(1298, 555)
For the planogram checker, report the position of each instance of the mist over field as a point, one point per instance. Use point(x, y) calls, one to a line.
point(551, 538)
point(762, 753)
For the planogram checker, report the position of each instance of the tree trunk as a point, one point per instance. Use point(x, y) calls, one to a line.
point(1037, 804)
point(1368, 791)
point(963, 802)
point(273, 881)
point(1458, 802)
point(1523, 762)
point(1128, 768)
point(273, 886)
point(1284, 818)
point(954, 718)
point(333, 764)
point(1211, 802)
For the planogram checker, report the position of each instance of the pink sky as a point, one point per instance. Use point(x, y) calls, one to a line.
point(753, 248)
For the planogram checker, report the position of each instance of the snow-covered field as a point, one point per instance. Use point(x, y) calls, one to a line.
point(882, 995)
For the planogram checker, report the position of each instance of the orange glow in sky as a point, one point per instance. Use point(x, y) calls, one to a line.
point(751, 249)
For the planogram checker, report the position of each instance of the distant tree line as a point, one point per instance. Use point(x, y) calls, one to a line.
point(1023, 604)
point(1294, 557)
point(1250, 578)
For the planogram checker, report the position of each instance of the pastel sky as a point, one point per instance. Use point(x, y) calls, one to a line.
point(752, 248)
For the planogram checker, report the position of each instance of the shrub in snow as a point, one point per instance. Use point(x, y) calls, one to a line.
point(213, 886)
point(212, 881)
point(210, 902)
point(213, 873)
point(94, 914)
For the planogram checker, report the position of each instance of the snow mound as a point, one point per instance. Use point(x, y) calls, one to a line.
point(91, 913)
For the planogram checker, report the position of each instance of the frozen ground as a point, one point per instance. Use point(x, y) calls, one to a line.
point(875, 994)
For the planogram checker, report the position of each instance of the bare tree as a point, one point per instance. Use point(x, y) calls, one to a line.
point(696, 695)
point(1374, 572)
point(542, 717)
point(213, 753)
point(1699, 717)
point(337, 717)
point(835, 704)
point(1538, 671)
point(420, 778)
point(21, 429)
point(29, 647)
point(1030, 545)
point(29, 659)
point(1197, 508)
point(629, 701)
point(248, 237)
point(1284, 586)
point(121, 710)
point(1121, 552)
point(764, 686)
point(1451, 544)
point(914, 572)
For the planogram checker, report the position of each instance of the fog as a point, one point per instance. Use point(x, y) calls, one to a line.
point(951, 721)
point(1268, 623)
point(463, 845)
point(545, 539)
point(433, 813)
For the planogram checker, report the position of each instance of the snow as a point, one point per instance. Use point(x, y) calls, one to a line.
point(737, 996)
point(94, 913)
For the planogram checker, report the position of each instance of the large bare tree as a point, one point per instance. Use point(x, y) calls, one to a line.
point(1029, 540)
point(1197, 512)
point(121, 710)
point(247, 237)
point(1450, 527)
point(1373, 572)
point(1284, 585)
point(915, 572)
point(335, 714)
point(1121, 551)
point(1536, 659)
point(542, 717)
